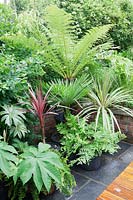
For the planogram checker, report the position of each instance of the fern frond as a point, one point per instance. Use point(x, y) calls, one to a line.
point(59, 23)
point(87, 42)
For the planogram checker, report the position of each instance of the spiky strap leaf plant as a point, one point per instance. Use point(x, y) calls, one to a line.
point(39, 107)
point(103, 99)
point(68, 93)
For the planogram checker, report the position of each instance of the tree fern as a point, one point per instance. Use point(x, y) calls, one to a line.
point(69, 55)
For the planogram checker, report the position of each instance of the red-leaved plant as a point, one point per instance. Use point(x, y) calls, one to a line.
point(40, 108)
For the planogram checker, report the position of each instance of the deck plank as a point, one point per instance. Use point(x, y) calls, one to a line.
point(121, 188)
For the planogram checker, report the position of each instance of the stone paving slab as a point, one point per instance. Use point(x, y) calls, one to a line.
point(127, 156)
point(90, 191)
point(107, 173)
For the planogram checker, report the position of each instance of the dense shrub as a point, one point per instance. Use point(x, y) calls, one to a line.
point(15, 76)
point(91, 13)
point(21, 5)
point(7, 19)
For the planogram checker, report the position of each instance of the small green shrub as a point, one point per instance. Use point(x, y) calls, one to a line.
point(13, 80)
point(81, 138)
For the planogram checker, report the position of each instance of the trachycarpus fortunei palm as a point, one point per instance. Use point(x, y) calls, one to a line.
point(40, 108)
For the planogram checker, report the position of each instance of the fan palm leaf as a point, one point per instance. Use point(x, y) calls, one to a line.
point(67, 93)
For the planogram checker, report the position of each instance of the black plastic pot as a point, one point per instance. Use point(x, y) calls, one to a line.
point(59, 117)
point(55, 145)
point(55, 137)
point(95, 164)
point(3, 192)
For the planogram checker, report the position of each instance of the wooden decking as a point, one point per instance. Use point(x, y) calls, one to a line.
point(121, 188)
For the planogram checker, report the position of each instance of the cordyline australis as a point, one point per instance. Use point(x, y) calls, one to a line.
point(39, 108)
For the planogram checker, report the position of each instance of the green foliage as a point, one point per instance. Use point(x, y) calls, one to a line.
point(79, 137)
point(102, 141)
point(89, 13)
point(75, 134)
point(123, 69)
point(8, 159)
point(13, 118)
point(21, 45)
point(15, 75)
point(7, 20)
point(68, 93)
point(42, 165)
point(13, 80)
point(22, 5)
point(103, 98)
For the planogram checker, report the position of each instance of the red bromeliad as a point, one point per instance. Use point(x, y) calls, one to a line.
point(39, 108)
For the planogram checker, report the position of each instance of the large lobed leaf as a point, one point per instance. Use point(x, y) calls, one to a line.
point(7, 158)
point(42, 165)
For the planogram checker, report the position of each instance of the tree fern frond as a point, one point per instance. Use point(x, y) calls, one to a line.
point(59, 22)
point(89, 40)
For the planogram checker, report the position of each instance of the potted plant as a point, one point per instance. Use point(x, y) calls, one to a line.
point(86, 143)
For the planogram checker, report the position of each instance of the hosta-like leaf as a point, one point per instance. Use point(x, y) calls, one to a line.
point(6, 147)
point(53, 158)
point(4, 166)
point(7, 158)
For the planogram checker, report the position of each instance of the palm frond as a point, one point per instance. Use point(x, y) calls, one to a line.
point(67, 93)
